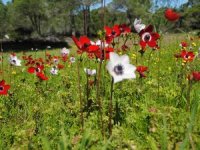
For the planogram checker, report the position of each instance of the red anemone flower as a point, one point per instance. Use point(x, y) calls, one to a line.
point(112, 32)
point(84, 44)
point(37, 69)
point(4, 88)
point(187, 56)
point(183, 44)
point(64, 58)
point(196, 76)
point(141, 70)
point(148, 37)
point(124, 29)
point(171, 15)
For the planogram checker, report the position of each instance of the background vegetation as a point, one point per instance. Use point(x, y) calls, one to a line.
point(24, 19)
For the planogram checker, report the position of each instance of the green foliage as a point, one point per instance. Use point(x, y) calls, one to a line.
point(45, 115)
point(24, 19)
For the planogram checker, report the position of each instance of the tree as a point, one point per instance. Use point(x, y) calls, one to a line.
point(34, 10)
point(85, 6)
point(133, 9)
point(3, 12)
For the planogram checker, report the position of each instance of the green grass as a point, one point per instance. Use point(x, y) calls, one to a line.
point(149, 114)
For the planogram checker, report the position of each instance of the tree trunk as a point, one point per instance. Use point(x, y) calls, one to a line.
point(72, 24)
point(88, 20)
point(84, 21)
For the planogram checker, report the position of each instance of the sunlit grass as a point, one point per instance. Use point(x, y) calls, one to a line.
point(45, 115)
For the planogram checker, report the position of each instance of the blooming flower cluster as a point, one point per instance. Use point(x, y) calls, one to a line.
point(147, 36)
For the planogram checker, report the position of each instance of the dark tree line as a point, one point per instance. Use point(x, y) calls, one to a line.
point(24, 19)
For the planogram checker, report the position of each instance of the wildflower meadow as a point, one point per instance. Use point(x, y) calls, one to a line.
point(122, 89)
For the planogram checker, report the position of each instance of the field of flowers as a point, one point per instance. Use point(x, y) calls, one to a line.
point(123, 91)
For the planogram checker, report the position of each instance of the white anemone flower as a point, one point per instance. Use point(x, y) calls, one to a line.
point(138, 26)
point(14, 60)
point(64, 51)
point(54, 71)
point(72, 59)
point(90, 72)
point(120, 68)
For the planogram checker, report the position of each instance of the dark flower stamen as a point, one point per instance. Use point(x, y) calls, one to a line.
point(86, 45)
point(187, 56)
point(118, 69)
point(1, 88)
point(147, 38)
point(113, 32)
point(14, 61)
point(37, 69)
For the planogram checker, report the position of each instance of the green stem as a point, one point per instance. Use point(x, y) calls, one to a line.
point(98, 100)
point(188, 94)
point(149, 58)
point(111, 107)
point(87, 90)
point(80, 96)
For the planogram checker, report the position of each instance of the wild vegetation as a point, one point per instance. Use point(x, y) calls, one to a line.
point(131, 86)
point(24, 19)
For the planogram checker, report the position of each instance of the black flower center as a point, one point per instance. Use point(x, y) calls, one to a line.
point(14, 61)
point(113, 32)
point(1, 88)
point(187, 56)
point(147, 38)
point(86, 45)
point(37, 69)
point(118, 69)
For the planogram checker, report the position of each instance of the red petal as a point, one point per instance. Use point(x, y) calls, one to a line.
point(149, 28)
point(142, 44)
point(78, 44)
point(2, 82)
point(42, 76)
point(31, 69)
point(93, 48)
point(152, 43)
point(155, 36)
point(196, 76)
point(108, 30)
point(84, 40)
point(171, 15)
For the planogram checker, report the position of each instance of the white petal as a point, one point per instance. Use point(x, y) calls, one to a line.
point(114, 57)
point(117, 78)
point(18, 62)
point(129, 71)
point(98, 42)
point(93, 72)
point(124, 59)
point(109, 66)
point(138, 26)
